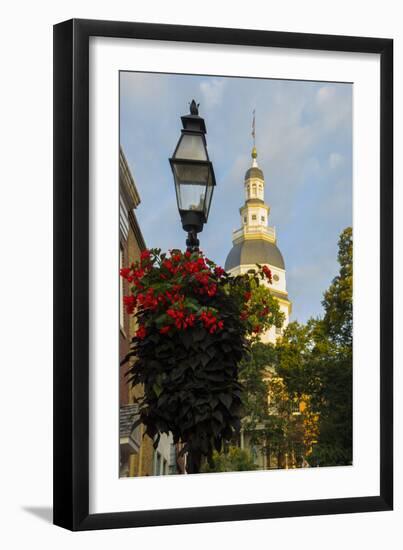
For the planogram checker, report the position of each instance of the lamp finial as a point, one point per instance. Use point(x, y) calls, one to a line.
point(194, 107)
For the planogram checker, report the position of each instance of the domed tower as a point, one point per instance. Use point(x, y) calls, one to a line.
point(255, 242)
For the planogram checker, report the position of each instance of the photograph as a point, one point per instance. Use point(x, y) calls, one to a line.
point(236, 274)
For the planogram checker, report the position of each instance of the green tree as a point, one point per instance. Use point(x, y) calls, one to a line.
point(338, 299)
point(317, 359)
point(277, 418)
point(232, 460)
point(313, 366)
point(333, 363)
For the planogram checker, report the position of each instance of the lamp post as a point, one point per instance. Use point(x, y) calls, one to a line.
point(193, 175)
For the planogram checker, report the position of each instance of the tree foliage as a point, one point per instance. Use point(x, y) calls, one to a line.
point(317, 359)
point(279, 420)
point(312, 365)
point(333, 364)
point(338, 299)
point(233, 459)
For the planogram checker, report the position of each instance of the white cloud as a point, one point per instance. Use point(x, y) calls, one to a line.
point(212, 91)
point(137, 86)
point(325, 94)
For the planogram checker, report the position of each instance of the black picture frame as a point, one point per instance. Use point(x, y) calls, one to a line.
point(71, 273)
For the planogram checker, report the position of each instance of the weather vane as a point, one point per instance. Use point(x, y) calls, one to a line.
point(254, 129)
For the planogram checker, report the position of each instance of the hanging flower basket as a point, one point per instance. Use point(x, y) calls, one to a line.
point(195, 323)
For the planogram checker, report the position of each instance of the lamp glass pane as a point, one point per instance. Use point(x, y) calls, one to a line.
point(191, 146)
point(191, 174)
point(191, 181)
point(209, 196)
point(191, 197)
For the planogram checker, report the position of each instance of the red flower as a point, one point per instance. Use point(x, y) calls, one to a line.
point(267, 272)
point(247, 296)
point(219, 271)
point(190, 320)
point(145, 255)
point(168, 265)
point(243, 315)
point(212, 290)
point(125, 272)
point(130, 303)
point(173, 298)
point(256, 329)
point(138, 285)
point(209, 321)
point(202, 278)
point(165, 329)
point(192, 267)
point(265, 311)
point(201, 263)
point(148, 300)
point(141, 332)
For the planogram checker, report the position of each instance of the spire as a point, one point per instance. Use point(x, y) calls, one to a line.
point(254, 157)
point(254, 150)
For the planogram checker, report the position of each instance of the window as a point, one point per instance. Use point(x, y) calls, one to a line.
point(253, 217)
point(123, 219)
point(294, 406)
point(157, 464)
point(278, 330)
point(244, 219)
point(262, 218)
point(254, 190)
point(172, 459)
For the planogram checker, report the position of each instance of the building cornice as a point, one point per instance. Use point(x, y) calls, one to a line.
point(127, 184)
point(258, 233)
point(136, 230)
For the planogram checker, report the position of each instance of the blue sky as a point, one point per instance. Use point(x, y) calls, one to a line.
point(304, 143)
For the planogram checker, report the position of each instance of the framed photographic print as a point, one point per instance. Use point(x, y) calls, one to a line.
point(223, 321)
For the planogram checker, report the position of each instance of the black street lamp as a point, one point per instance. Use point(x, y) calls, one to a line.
point(194, 176)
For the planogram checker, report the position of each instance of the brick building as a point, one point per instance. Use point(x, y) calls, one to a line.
point(137, 454)
point(136, 451)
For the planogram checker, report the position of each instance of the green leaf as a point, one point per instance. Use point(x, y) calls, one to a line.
point(225, 399)
point(157, 389)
